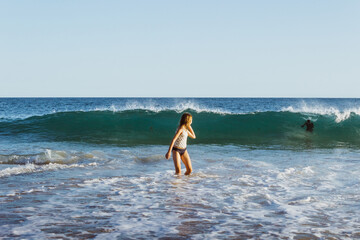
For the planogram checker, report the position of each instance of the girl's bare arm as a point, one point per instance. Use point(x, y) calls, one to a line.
point(191, 132)
point(168, 154)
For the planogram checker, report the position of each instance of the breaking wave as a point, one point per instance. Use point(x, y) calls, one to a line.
point(144, 126)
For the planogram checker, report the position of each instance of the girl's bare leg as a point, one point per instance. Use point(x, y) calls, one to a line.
point(177, 164)
point(187, 162)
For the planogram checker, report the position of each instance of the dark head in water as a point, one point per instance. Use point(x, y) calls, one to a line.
point(309, 125)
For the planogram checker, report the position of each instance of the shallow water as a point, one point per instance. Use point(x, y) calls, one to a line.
point(233, 192)
point(80, 189)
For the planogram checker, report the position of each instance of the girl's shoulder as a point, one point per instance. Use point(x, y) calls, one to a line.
point(184, 129)
point(181, 129)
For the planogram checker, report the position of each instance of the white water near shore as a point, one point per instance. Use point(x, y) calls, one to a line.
point(233, 192)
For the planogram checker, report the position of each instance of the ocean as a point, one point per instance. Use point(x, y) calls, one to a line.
point(77, 168)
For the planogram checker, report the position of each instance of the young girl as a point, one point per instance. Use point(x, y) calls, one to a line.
point(178, 144)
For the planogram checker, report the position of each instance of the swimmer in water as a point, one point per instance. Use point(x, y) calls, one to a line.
point(309, 126)
point(178, 144)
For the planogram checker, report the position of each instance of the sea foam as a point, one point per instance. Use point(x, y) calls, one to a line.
point(33, 168)
point(340, 115)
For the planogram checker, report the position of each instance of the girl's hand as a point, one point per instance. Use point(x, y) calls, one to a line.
point(167, 155)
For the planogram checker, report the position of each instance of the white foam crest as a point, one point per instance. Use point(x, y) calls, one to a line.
point(48, 156)
point(247, 180)
point(155, 107)
point(150, 105)
point(56, 156)
point(183, 106)
point(33, 168)
point(306, 171)
point(302, 201)
point(101, 181)
point(340, 115)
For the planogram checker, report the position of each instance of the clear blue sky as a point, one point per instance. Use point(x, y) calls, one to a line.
point(188, 48)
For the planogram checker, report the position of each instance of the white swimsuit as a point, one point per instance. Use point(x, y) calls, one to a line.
point(181, 140)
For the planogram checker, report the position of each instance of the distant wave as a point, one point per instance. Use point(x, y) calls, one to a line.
point(310, 111)
point(320, 110)
point(34, 168)
point(46, 157)
point(136, 127)
point(153, 107)
point(148, 106)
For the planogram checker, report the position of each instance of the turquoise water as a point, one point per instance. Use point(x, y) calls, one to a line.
point(95, 168)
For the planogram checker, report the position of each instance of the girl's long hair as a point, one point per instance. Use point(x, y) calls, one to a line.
point(185, 119)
